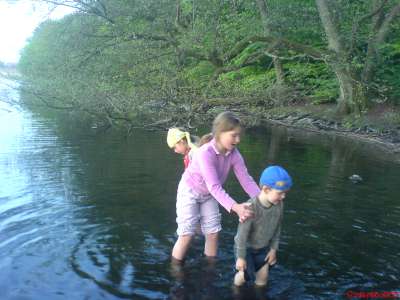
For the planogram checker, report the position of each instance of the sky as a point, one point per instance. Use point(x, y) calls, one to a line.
point(18, 20)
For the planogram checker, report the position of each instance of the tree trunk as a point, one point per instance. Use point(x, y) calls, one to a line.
point(352, 97)
point(335, 40)
point(280, 73)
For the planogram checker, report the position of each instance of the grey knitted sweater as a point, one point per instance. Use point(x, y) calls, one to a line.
point(260, 231)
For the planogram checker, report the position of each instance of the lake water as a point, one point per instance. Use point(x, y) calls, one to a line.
point(92, 216)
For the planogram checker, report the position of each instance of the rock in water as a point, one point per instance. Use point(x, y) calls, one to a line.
point(355, 178)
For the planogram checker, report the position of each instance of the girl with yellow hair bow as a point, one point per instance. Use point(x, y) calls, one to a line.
point(181, 142)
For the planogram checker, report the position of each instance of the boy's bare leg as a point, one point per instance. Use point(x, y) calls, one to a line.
point(239, 280)
point(262, 275)
point(181, 246)
point(211, 244)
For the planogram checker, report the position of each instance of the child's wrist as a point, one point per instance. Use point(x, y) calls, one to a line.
point(234, 207)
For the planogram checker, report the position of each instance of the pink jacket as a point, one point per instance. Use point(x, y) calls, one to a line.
point(209, 170)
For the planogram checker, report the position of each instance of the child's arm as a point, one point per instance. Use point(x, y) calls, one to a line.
point(277, 234)
point(271, 257)
point(241, 264)
point(207, 164)
point(241, 238)
point(246, 181)
point(243, 211)
point(275, 239)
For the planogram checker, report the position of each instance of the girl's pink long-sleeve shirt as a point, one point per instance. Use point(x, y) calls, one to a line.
point(209, 169)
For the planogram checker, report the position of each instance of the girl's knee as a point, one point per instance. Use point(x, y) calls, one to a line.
point(181, 246)
point(211, 245)
point(185, 239)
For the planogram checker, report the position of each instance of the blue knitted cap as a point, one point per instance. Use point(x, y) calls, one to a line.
point(277, 178)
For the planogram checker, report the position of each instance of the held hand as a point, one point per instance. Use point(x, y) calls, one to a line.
point(241, 264)
point(271, 257)
point(243, 210)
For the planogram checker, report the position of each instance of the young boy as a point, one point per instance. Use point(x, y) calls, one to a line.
point(257, 239)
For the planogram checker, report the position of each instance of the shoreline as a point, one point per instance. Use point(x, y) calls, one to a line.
point(368, 144)
point(385, 142)
point(386, 139)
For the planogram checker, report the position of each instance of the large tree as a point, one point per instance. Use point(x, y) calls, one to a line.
point(113, 58)
point(354, 80)
point(355, 33)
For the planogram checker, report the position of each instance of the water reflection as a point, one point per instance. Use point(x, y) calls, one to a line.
point(93, 216)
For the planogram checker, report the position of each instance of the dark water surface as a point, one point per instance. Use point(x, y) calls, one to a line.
point(86, 216)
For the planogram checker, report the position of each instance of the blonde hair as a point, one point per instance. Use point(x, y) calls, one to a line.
point(177, 134)
point(225, 121)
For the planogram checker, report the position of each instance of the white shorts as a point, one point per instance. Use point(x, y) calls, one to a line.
point(192, 207)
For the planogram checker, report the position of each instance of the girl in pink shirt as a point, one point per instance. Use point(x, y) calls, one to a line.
point(200, 189)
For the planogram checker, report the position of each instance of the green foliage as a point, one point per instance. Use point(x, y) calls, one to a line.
point(84, 63)
point(387, 84)
point(315, 80)
point(391, 118)
point(200, 74)
point(116, 58)
point(248, 52)
point(250, 79)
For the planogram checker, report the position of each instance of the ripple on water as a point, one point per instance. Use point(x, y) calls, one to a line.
point(19, 199)
point(113, 269)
